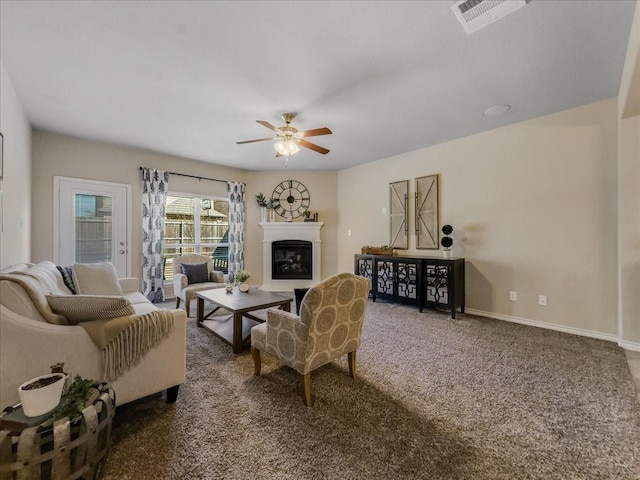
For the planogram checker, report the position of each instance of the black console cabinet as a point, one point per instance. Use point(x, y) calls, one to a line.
point(423, 281)
point(398, 279)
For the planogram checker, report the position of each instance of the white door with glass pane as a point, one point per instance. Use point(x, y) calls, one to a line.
point(92, 223)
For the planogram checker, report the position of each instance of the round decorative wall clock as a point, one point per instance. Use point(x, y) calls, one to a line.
point(291, 199)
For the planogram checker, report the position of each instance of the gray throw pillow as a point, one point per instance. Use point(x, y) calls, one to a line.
point(84, 308)
point(196, 273)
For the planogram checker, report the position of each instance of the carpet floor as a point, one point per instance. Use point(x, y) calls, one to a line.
point(435, 398)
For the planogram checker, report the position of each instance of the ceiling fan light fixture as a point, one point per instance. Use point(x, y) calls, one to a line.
point(286, 147)
point(289, 139)
point(293, 148)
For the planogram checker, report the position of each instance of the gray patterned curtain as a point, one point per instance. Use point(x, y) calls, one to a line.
point(236, 228)
point(154, 198)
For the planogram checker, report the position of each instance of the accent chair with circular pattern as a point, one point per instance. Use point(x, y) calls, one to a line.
point(329, 326)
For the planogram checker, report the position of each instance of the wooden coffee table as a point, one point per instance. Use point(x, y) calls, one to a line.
point(236, 331)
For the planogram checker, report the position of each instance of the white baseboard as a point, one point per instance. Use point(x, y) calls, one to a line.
point(552, 326)
point(632, 346)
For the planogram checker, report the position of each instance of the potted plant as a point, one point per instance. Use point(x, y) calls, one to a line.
point(80, 427)
point(81, 392)
point(271, 205)
point(307, 214)
point(242, 276)
point(266, 206)
point(41, 394)
point(262, 203)
point(446, 241)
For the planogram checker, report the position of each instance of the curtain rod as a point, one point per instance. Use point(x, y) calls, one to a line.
point(194, 176)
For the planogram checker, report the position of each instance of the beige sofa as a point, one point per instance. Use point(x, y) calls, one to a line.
point(29, 344)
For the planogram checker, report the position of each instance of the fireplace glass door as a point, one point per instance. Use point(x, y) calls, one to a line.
point(292, 260)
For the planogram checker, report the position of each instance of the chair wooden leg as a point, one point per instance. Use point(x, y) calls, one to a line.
point(306, 386)
point(257, 363)
point(177, 302)
point(186, 307)
point(351, 356)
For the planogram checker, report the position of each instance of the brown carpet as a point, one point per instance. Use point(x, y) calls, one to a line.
point(436, 398)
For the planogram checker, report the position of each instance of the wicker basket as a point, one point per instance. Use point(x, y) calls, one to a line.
point(377, 250)
point(62, 450)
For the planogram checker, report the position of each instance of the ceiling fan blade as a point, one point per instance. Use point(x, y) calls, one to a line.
point(315, 132)
point(314, 147)
point(256, 140)
point(264, 123)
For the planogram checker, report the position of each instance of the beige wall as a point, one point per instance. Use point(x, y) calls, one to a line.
point(15, 188)
point(629, 192)
point(629, 231)
point(533, 206)
point(629, 92)
point(322, 187)
point(60, 155)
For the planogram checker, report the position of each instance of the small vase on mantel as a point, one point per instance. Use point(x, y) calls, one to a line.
point(263, 214)
point(272, 215)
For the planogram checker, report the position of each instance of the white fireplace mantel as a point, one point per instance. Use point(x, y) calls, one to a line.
point(275, 231)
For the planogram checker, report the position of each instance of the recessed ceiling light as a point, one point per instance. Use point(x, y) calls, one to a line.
point(497, 110)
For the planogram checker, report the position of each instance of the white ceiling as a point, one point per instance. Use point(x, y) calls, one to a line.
point(388, 77)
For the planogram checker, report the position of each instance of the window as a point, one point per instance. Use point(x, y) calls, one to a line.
point(93, 228)
point(196, 225)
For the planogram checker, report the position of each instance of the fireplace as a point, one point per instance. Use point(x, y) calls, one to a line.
point(291, 255)
point(291, 259)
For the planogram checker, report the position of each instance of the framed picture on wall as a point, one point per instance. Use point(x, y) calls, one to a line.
point(427, 212)
point(398, 195)
point(1, 153)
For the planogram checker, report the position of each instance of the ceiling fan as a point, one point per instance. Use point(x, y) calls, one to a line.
point(288, 137)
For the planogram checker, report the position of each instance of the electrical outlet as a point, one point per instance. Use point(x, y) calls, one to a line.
point(348, 233)
point(513, 296)
point(542, 300)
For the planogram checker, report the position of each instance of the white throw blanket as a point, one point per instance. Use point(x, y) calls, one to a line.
point(37, 289)
point(124, 340)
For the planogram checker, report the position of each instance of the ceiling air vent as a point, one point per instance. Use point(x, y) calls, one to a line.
point(477, 14)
